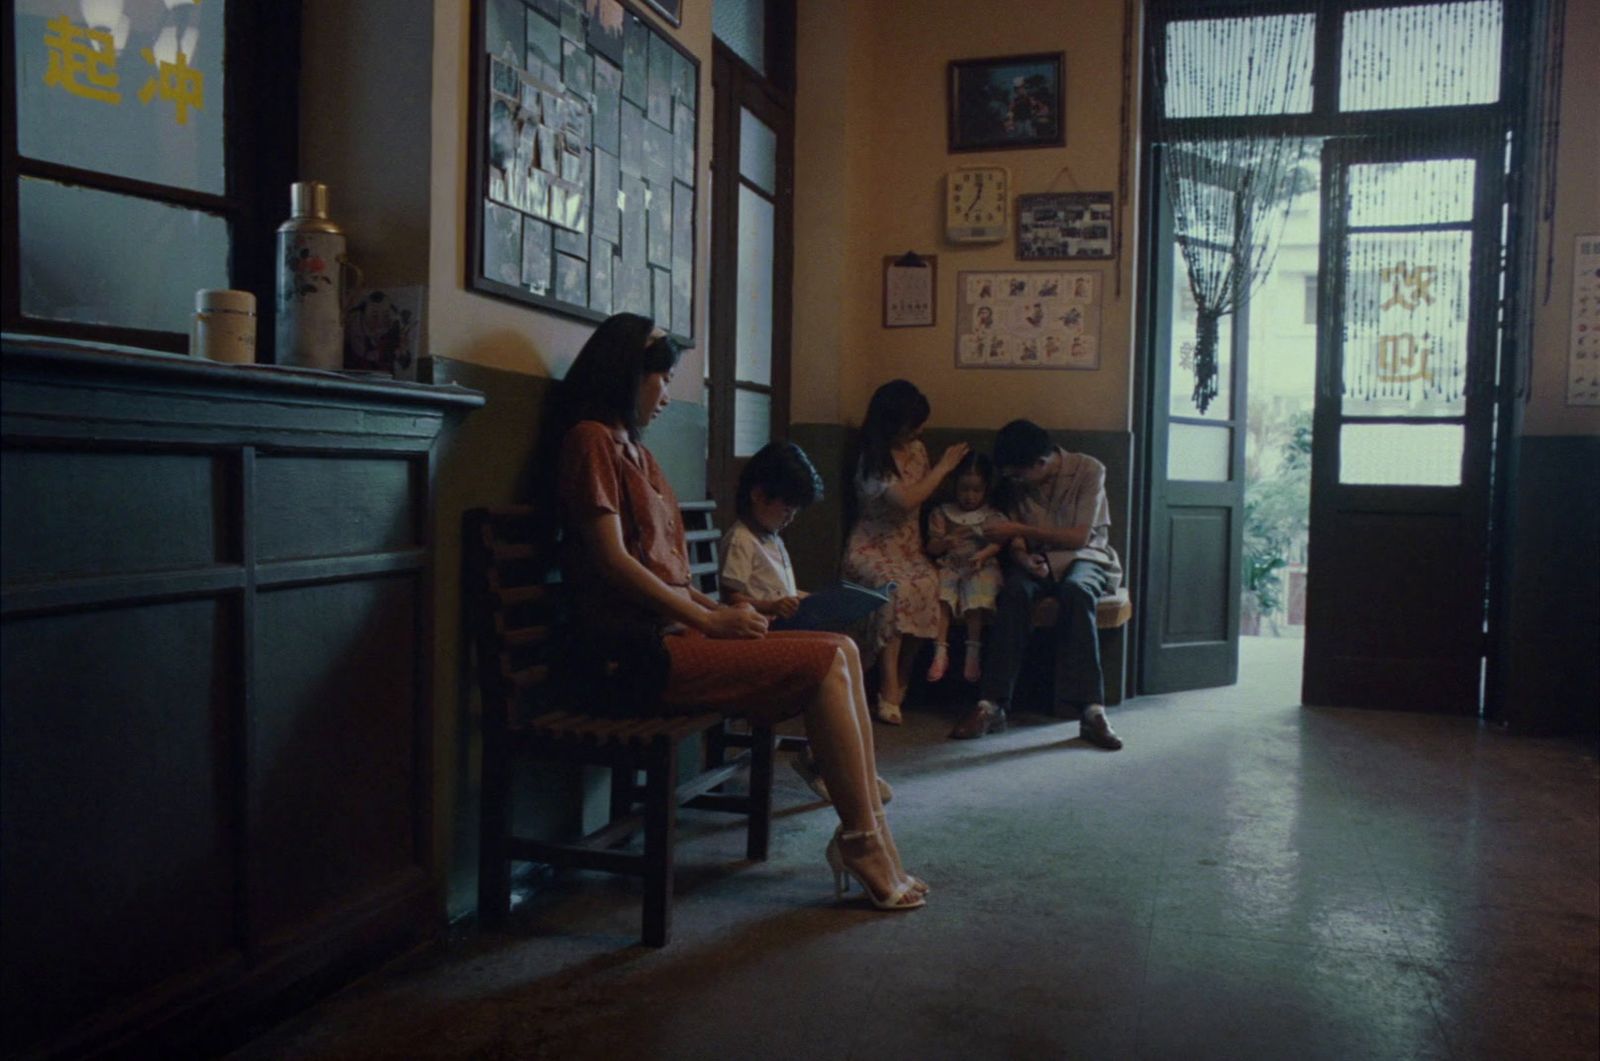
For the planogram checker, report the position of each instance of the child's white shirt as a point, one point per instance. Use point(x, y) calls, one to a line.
point(756, 565)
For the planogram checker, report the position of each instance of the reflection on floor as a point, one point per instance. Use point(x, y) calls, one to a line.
point(1247, 879)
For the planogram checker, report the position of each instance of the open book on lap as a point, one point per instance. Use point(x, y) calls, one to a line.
point(836, 607)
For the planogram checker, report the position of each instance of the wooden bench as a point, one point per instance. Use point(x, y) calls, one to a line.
point(518, 613)
point(1112, 613)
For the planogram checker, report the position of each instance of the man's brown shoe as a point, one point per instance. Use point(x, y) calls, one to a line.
point(1097, 731)
point(984, 718)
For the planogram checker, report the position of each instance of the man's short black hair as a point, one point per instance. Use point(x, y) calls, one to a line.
point(1019, 444)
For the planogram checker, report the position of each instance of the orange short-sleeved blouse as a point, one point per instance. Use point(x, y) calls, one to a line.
point(771, 677)
point(597, 477)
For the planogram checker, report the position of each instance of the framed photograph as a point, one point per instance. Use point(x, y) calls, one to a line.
point(909, 284)
point(1010, 102)
point(580, 201)
point(671, 10)
point(1052, 226)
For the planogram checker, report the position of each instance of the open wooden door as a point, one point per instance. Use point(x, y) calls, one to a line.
point(1190, 636)
point(1404, 424)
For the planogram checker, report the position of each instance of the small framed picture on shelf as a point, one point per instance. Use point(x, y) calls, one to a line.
point(671, 10)
point(1011, 102)
point(1055, 226)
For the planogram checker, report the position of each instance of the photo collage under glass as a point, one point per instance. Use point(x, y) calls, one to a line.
point(588, 197)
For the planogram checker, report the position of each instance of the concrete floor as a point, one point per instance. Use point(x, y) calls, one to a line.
point(1248, 878)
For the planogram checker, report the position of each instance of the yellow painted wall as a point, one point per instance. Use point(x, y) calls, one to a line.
point(367, 149)
point(467, 326)
point(1577, 213)
point(870, 181)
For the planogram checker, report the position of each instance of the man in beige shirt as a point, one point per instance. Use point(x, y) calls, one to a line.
point(1058, 544)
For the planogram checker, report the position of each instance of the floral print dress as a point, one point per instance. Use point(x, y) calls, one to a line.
point(885, 545)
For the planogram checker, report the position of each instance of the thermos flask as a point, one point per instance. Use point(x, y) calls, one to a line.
point(311, 281)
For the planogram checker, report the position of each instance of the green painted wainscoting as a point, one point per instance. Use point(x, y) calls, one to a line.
point(490, 458)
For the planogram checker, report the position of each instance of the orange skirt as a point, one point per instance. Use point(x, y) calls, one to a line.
point(767, 679)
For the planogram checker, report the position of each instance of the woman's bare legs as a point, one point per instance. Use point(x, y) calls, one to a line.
point(891, 679)
point(869, 750)
point(908, 662)
point(842, 740)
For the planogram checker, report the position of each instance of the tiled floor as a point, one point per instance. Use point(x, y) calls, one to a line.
point(1248, 878)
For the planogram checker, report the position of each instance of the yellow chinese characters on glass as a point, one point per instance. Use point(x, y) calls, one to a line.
point(1401, 358)
point(83, 61)
point(179, 82)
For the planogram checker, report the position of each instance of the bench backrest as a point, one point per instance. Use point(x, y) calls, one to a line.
point(516, 606)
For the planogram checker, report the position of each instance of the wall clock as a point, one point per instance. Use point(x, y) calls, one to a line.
point(977, 208)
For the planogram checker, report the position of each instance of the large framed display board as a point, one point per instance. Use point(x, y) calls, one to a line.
point(583, 164)
point(1027, 318)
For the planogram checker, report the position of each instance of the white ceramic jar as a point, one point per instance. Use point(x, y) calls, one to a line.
point(224, 326)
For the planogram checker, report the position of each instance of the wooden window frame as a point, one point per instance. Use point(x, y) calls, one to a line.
point(260, 160)
point(736, 85)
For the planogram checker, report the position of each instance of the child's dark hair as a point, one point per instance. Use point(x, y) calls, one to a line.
point(896, 408)
point(784, 473)
point(975, 463)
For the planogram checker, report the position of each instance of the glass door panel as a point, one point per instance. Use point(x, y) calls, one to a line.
point(1405, 343)
point(753, 360)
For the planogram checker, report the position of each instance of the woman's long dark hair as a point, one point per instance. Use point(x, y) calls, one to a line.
point(603, 383)
point(896, 409)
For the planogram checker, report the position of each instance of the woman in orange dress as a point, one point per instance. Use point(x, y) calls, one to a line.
point(629, 567)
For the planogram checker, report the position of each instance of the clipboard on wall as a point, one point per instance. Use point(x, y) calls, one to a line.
point(909, 287)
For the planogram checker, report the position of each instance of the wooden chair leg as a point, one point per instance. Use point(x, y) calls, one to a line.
point(494, 824)
point(623, 782)
point(760, 826)
point(660, 826)
point(716, 746)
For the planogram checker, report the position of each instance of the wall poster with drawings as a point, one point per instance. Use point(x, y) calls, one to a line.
point(1028, 319)
point(583, 161)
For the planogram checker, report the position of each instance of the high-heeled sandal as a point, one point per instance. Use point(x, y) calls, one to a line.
point(887, 712)
point(917, 882)
point(941, 661)
point(972, 666)
point(903, 896)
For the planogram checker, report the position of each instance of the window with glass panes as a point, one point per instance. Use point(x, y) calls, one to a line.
point(141, 136)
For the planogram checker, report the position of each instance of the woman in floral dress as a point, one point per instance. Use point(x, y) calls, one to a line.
point(893, 479)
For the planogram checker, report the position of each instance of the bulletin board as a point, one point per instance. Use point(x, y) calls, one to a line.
point(583, 161)
point(1029, 319)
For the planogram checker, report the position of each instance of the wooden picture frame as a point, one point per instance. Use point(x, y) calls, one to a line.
point(1007, 102)
point(584, 165)
point(1061, 226)
point(671, 10)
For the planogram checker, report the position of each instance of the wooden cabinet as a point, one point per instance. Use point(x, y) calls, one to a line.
point(214, 720)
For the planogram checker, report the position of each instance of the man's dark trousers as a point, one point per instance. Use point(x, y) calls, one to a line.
point(1079, 680)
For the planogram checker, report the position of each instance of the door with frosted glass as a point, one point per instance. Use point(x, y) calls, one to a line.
point(1191, 633)
point(1403, 433)
point(749, 352)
